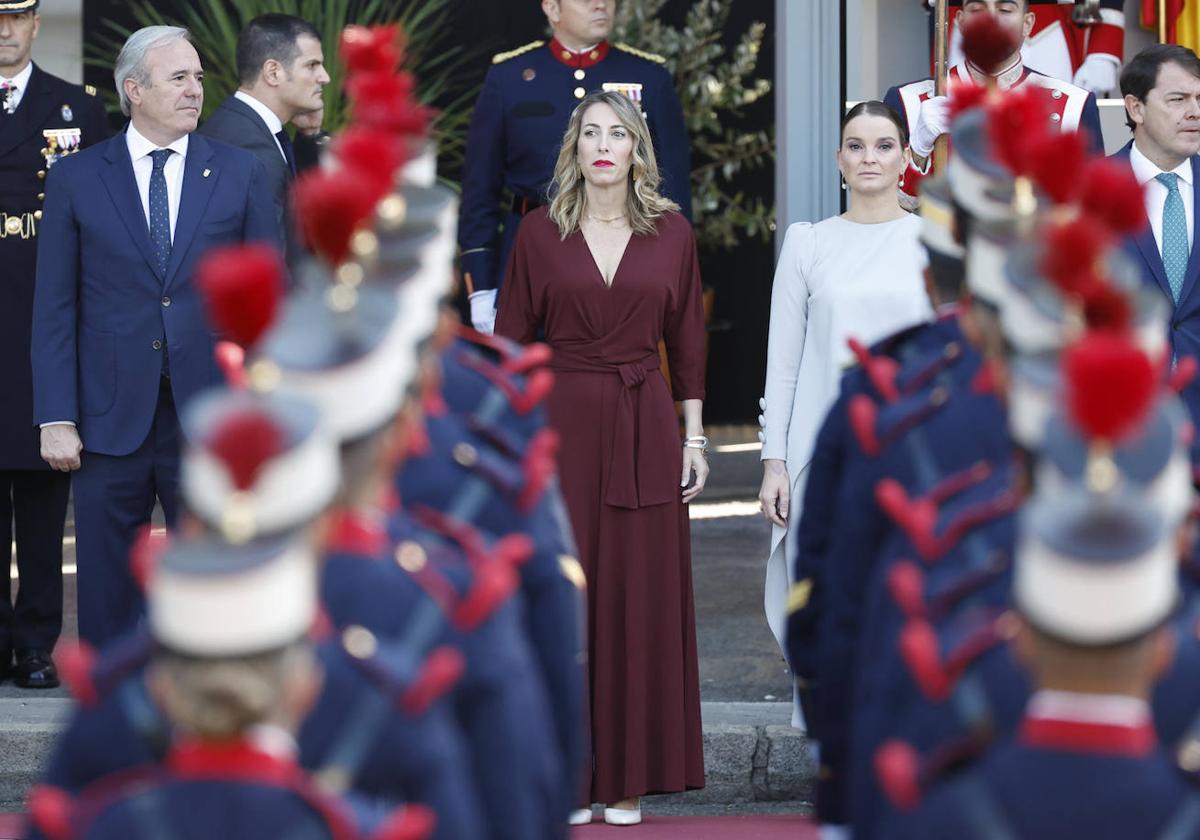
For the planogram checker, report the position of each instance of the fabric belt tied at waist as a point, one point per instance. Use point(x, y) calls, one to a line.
point(634, 480)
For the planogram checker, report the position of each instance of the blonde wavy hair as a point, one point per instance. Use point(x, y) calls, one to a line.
point(644, 205)
point(218, 699)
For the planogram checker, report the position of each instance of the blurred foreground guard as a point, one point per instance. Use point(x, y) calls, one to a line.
point(235, 682)
point(519, 120)
point(42, 118)
point(1095, 585)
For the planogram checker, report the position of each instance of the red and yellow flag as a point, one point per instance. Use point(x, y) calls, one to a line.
point(1177, 10)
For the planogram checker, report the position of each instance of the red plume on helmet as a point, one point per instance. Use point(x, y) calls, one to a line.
point(986, 43)
point(898, 768)
point(1106, 308)
point(244, 442)
point(1071, 252)
point(1055, 161)
point(331, 207)
point(1016, 121)
point(375, 49)
point(373, 153)
point(241, 287)
point(1113, 195)
point(386, 101)
point(1111, 385)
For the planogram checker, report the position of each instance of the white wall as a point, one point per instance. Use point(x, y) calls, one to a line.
point(59, 45)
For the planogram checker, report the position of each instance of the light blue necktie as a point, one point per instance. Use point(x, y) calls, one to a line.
point(160, 211)
point(1174, 234)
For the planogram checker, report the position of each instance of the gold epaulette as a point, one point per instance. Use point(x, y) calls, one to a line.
point(90, 90)
point(649, 56)
point(505, 56)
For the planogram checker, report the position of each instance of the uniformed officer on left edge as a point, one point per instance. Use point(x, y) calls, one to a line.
point(518, 125)
point(42, 118)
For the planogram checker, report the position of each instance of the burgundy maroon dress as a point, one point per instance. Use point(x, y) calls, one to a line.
point(620, 465)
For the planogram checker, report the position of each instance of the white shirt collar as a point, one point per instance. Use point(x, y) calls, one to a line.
point(1145, 169)
point(273, 740)
point(139, 146)
point(1111, 709)
point(274, 124)
point(21, 80)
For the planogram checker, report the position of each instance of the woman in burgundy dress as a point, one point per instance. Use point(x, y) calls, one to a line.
point(606, 271)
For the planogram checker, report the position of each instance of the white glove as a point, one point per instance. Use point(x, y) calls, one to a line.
point(483, 310)
point(1098, 74)
point(932, 122)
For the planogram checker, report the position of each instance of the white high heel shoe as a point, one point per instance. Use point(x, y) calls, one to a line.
point(623, 816)
point(580, 816)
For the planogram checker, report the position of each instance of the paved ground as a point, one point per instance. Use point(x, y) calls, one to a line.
point(739, 661)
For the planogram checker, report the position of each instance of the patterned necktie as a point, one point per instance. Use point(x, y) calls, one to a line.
point(160, 210)
point(289, 152)
point(1174, 234)
point(8, 98)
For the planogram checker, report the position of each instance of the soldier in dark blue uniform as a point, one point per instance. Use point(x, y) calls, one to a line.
point(42, 118)
point(518, 124)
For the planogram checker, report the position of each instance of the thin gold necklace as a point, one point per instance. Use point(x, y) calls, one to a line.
point(613, 219)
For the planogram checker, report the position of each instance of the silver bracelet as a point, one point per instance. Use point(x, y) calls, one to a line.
point(696, 442)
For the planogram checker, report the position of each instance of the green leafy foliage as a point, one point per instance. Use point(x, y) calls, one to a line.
point(715, 85)
point(215, 24)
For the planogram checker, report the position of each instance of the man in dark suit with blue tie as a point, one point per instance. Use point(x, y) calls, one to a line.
point(281, 72)
point(120, 338)
point(1161, 86)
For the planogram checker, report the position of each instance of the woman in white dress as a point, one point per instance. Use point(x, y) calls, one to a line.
point(857, 275)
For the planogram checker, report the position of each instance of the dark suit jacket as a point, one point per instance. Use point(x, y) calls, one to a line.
point(236, 123)
point(48, 103)
point(1184, 331)
point(101, 305)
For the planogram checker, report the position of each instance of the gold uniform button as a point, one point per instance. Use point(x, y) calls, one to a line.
point(42, 174)
point(593, 55)
point(566, 54)
point(37, 214)
point(580, 93)
point(579, 75)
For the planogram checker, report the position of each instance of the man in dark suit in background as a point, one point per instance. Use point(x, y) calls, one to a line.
point(120, 337)
point(42, 118)
point(1161, 86)
point(281, 68)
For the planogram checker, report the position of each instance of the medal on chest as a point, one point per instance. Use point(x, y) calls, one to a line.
point(61, 142)
point(632, 90)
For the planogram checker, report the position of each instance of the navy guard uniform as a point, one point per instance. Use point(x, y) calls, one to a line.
point(517, 129)
point(42, 118)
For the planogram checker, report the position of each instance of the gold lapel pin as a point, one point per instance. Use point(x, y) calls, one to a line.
point(207, 172)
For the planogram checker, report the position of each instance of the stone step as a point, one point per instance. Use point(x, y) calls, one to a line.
point(751, 753)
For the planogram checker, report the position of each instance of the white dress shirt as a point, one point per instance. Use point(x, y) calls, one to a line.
point(143, 167)
point(274, 124)
point(19, 83)
point(1155, 193)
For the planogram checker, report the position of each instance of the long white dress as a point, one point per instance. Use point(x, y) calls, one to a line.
point(835, 280)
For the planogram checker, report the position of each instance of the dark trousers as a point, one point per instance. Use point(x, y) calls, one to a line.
point(114, 499)
point(33, 508)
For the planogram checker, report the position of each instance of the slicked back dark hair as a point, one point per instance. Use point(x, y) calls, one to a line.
point(875, 108)
point(267, 37)
point(1141, 72)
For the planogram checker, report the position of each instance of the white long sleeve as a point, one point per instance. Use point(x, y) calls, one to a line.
point(785, 340)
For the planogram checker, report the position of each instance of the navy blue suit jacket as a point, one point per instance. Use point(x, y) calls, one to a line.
point(1184, 329)
point(102, 309)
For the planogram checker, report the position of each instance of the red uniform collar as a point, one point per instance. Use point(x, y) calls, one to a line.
point(579, 61)
point(239, 759)
point(1097, 738)
point(354, 532)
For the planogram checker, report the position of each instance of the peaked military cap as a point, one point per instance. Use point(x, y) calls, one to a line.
point(16, 7)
